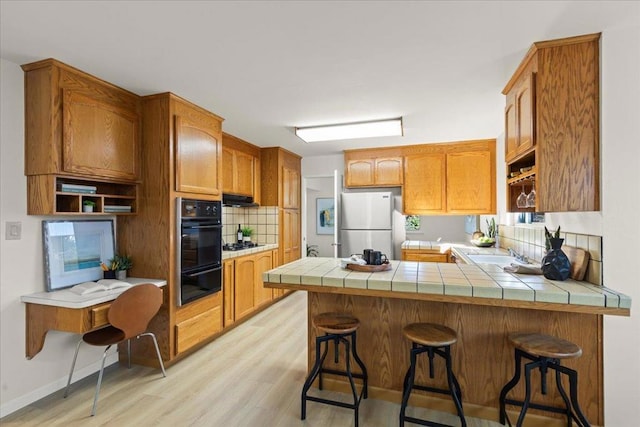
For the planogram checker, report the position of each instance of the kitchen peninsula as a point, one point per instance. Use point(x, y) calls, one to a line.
point(481, 302)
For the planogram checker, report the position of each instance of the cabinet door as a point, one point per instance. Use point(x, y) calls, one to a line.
point(421, 256)
point(510, 130)
point(359, 172)
point(263, 262)
point(470, 182)
point(197, 151)
point(291, 235)
point(227, 170)
point(228, 281)
point(388, 171)
point(524, 101)
point(244, 276)
point(290, 188)
point(244, 173)
point(424, 187)
point(99, 139)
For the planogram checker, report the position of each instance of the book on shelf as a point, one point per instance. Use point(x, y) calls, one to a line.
point(99, 286)
point(76, 188)
point(117, 208)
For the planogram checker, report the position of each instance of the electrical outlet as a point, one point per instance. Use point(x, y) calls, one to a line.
point(13, 230)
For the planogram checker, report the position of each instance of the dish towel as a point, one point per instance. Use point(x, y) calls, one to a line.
point(522, 269)
point(352, 260)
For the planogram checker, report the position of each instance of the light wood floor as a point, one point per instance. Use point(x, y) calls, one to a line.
point(251, 376)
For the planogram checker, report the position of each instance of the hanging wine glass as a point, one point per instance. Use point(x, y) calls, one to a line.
point(521, 201)
point(531, 197)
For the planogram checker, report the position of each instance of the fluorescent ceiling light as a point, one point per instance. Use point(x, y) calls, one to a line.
point(387, 127)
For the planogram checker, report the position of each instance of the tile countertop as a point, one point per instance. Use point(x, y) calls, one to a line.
point(484, 284)
point(243, 252)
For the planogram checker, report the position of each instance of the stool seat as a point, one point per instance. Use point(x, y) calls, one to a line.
point(430, 334)
point(335, 323)
point(545, 345)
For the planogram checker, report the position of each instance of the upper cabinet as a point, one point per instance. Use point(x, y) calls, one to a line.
point(452, 178)
point(552, 126)
point(77, 124)
point(373, 168)
point(198, 149)
point(82, 142)
point(240, 167)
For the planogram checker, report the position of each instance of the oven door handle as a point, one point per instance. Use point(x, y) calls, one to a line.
point(200, 227)
point(203, 272)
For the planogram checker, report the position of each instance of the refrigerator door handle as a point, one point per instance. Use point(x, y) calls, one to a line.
point(336, 244)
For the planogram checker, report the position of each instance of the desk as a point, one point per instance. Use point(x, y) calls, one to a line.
point(66, 311)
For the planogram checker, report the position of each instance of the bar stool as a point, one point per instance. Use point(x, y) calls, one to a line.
point(545, 352)
point(434, 340)
point(337, 328)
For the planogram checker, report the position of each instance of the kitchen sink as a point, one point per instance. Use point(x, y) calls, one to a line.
point(501, 260)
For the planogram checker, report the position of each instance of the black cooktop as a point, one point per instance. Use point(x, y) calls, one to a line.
point(239, 246)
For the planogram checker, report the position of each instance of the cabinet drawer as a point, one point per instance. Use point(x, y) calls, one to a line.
point(198, 328)
point(425, 256)
point(99, 315)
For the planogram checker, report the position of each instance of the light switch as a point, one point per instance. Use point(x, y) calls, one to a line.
point(13, 230)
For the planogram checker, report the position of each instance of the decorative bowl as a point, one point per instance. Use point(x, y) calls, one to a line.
point(480, 244)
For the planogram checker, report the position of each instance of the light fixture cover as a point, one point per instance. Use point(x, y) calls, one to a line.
point(386, 127)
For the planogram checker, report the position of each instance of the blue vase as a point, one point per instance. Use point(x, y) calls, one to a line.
point(555, 264)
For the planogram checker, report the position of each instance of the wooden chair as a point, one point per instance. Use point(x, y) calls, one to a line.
point(129, 317)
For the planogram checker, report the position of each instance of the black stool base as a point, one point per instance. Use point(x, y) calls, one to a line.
point(453, 390)
point(318, 370)
point(572, 408)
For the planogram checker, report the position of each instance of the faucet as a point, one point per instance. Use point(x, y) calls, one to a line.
point(516, 255)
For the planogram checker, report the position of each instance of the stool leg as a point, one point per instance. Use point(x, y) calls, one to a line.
point(354, 391)
point(564, 396)
point(409, 378)
point(360, 363)
point(312, 376)
point(527, 394)
point(454, 386)
point(510, 385)
point(324, 356)
point(573, 391)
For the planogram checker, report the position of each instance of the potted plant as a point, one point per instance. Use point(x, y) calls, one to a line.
point(88, 205)
point(312, 250)
point(120, 264)
point(246, 233)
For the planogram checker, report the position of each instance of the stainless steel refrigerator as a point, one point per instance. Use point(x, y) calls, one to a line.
point(366, 223)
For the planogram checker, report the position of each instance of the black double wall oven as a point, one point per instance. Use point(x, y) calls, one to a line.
point(199, 249)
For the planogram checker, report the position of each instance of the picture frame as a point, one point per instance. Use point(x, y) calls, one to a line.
point(325, 215)
point(74, 251)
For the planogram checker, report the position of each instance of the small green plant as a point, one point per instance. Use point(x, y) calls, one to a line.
point(312, 250)
point(247, 231)
point(491, 228)
point(548, 236)
point(120, 262)
point(89, 203)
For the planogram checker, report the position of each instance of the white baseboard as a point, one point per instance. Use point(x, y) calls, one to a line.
point(22, 401)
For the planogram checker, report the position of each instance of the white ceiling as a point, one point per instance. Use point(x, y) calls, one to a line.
point(267, 67)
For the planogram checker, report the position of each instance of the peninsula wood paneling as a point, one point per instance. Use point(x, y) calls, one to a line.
point(483, 360)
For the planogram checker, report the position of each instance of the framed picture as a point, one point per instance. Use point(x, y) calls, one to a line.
point(74, 250)
point(325, 216)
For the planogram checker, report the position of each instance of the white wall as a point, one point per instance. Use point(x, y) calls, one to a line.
point(317, 188)
point(21, 271)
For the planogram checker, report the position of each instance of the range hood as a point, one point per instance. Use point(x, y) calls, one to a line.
point(238, 201)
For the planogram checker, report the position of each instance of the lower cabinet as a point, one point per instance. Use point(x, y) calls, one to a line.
point(198, 321)
point(425, 255)
point(244, 291)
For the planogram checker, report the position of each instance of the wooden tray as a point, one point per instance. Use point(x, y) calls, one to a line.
point(369, 268)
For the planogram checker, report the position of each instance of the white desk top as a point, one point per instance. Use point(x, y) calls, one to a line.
point(66, 298)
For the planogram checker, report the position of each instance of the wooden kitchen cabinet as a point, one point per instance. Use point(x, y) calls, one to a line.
point(262, 295)
point(228, 290)
point(198, 321)
point(79, 130)
point(198, 151)
point(373, 168)
point(240, 167)
point(280, 178)
point(450, 178)
point(425, 255)
point(552, 126)
point(248, 290)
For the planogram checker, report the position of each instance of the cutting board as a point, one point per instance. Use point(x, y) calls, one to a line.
point(579, 259)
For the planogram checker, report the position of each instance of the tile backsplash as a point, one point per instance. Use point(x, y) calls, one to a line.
point(529, 240)
point(263, 220)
